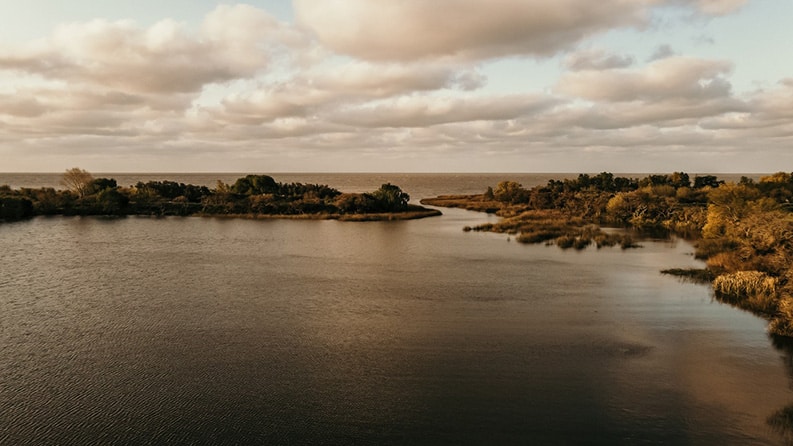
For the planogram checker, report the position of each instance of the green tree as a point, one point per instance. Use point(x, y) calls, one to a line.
point(99, 184)
point(111, 202)
point(255, 185)
point(391, 198)
point(706, 181)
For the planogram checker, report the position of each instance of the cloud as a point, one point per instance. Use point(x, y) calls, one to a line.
point(662, 52)
point(379, 80)
point(425, 111)
point(26, 107)
point(419, 29)
point(676, 77)
point(233, 43)
point(322, 91)
point(365, 80)
point(720, 7)
point(658, 114)
point(597, 60)
point(465, 30)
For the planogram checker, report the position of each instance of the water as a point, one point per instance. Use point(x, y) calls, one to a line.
point(218, 331)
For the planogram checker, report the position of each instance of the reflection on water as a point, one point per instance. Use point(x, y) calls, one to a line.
point(782, 420)
point(208, 331)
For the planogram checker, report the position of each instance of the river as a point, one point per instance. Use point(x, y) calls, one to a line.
point(223, 331)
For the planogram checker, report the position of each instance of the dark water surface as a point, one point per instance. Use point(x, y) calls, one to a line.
point(218, 331)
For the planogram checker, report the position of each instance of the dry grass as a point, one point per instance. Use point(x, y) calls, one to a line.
point(752, 290)
point(469, 202)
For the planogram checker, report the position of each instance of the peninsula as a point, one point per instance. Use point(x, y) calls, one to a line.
point(252, 196)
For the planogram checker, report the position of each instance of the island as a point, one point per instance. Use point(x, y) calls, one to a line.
point(252, 196)
point(743, 230)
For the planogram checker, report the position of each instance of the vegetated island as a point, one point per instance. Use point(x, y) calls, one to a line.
point(252, 196)
point(743, 231)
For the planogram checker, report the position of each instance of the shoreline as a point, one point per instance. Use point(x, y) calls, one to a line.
point(742, 231)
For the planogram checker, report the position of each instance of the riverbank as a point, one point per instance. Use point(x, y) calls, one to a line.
point(413, 212)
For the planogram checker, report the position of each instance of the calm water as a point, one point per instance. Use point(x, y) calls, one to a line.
point(217, 331)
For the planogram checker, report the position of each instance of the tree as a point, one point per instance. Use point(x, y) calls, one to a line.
point(77, 180)
point(679, 179)
point(255, 185)
point(706, 181)
point(729, 204)
point(391, 198)
point(510, 192)
point(111, 202)
point(100, 184)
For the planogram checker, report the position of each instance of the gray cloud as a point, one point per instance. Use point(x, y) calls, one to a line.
point(429, 111)
point(597, 60)
point(662, 52)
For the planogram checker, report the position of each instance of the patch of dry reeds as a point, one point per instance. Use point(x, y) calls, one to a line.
point(752, 290)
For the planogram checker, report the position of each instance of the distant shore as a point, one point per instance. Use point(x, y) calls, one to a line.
point(252, 196)
point(412, 213)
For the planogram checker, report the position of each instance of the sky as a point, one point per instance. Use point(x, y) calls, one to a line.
point(396, 86)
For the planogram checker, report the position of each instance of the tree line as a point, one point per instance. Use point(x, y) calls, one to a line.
point(253, 194)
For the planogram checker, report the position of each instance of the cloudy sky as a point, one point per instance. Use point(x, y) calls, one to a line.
point(396, 85)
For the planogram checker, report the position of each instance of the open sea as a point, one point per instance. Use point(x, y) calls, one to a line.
point(208, 331)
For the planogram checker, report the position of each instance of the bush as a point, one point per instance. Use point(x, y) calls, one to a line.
point(782, 322)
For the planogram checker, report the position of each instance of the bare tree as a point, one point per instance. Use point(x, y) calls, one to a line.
point(77, 180)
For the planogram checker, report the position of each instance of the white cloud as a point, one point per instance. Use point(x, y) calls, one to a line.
point(424, 111)
point(676, 77)
point(466, 30)
point(164, 58)
point(366, 80)
point(420, 29)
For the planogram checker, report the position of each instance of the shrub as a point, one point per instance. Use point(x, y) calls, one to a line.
point(566, 241)
point(538, 236)
point(782, 322)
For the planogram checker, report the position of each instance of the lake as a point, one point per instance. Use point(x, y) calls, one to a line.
point(226, 331)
